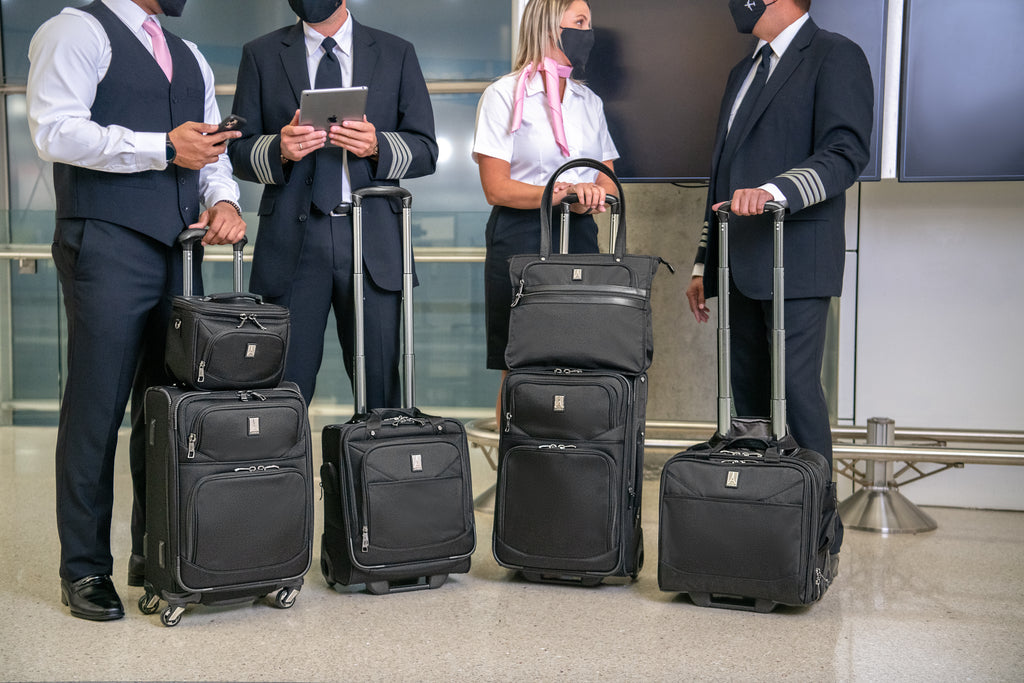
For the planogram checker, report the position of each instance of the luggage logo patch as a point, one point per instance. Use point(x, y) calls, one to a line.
point(732, 480)
point(254, 426)
point(417, 462)
point(577, 273)
point(559, 406)
point(250, 351)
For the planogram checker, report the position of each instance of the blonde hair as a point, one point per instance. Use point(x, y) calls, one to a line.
point(538, 31)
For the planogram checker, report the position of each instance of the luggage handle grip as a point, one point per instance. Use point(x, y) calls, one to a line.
point(613, 204)
point(619, 247)
point(376, 418)
point(778, 345)
point(187, 239)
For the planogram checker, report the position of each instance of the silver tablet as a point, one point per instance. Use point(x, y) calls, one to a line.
point(328, 107)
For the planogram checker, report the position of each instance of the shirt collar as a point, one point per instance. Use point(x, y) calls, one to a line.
point(536, 85)
point(343, 37)
point(128, 12)
point(782, 41)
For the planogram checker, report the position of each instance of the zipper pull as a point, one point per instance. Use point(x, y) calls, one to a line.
point(366, 539)
point(202, 372)
point(518, 295)
point(191, 446)
point(508, 421)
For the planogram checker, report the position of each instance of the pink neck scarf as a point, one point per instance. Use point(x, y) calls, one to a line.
point(552, 72)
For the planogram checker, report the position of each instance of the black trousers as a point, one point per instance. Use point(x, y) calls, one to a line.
point(117, 285)
point(806, 408)
point(324, 281)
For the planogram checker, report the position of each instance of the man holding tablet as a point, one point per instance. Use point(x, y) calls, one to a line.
point(303, 253)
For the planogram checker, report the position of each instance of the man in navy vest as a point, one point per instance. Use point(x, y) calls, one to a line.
point(126, 112)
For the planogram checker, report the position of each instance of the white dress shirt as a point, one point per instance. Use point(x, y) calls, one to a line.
point(532, 151)
point(70, 55)
point(343, 53)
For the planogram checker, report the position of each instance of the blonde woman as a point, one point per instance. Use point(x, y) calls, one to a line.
point(529, 123)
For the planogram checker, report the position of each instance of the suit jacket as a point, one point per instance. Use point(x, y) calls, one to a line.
point(808, 134)
point(271, 78)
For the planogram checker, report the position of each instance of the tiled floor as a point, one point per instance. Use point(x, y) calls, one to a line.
point(942, 606)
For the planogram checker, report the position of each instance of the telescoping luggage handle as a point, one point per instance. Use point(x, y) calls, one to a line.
point(408, 357)
point(563, 239)
point(617, 205)
point(778, 400)
point(187, 240)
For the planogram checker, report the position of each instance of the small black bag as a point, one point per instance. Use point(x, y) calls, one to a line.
point(225, 341)
point(587, 311)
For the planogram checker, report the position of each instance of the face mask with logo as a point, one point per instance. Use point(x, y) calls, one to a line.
point(172, 8)
point(576, 46)
point(745, 13)
point(314, 11)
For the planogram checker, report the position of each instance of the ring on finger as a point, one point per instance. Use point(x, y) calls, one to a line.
point(300, 145)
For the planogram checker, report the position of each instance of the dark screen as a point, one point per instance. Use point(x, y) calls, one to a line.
point(963, 91)
point(661, 66)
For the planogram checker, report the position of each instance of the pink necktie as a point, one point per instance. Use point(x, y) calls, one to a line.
point(160, 51)
point(552, 71)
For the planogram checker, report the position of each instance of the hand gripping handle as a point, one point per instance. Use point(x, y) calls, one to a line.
point(187, 239)
point(619, 209)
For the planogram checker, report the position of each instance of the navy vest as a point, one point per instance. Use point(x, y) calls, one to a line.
point(135, 94)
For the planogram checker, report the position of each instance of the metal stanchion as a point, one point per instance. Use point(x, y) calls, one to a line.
point(879, 505)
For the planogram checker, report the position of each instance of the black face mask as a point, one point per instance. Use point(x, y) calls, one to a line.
point(314, 11)
point(576, 46)
point(745, 13)
point(172, 8)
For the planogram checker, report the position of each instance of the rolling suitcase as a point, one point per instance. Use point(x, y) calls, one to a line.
point(229, 503)
point(747, 519)
point(224, 341)
point(570, 475)
point(397, 491)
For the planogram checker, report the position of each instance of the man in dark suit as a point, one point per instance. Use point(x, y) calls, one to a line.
point(303, 254)
point(127, 114)
point(801, 138)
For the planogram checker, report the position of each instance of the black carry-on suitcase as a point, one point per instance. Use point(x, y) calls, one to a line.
point(229, 502)
point(225, 341)
point(747, 519)
point(398, 501)
point(570, 453)
point(570, 475)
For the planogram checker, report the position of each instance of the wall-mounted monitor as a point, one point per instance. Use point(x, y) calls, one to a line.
point(661, 65)
point(962, 95)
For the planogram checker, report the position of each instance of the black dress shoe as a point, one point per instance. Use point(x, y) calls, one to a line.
point(136, 570)
point(92, 598)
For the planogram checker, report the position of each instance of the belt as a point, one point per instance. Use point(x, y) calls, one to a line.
point(343, 209)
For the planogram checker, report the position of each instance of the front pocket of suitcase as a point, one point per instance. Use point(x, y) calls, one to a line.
point(247, 358)
point(238, 430)
point(245, 527)
point(747, 540)
point(555, 509)
point(415, 503)
point(575, 408)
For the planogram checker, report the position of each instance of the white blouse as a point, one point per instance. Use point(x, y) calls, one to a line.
point(532, 151)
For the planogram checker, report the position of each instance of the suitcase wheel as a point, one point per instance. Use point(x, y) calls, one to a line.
point(172, 615)
point(325, 567)
point(149, 603)
point(285, 598)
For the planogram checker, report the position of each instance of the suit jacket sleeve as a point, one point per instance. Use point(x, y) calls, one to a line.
point(843, 107)
point(255, 156)
point(410, 150)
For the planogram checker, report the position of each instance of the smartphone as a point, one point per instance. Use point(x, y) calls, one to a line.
point(232, 122)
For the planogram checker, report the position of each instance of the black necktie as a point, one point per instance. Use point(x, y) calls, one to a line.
point(330, 162)
point(754, 91)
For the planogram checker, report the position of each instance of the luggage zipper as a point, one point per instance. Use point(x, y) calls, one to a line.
point(191, 446)
point(257, 468)
point(519, 294)
point(559, 446)
point(366, 539)
point(202, 372)
point(249, 317)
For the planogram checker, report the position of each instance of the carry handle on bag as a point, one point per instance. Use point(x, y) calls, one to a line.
point(563, 239)
point(618, 208)
point(778, 396)
point(187, 240)
point(408, 356)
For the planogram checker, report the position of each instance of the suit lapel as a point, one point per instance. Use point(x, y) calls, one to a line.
point(293, 58)
point(785, 68)
point(364, 55)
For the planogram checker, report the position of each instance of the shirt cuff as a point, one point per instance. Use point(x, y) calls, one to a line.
point(698, 270)
point(776, 194)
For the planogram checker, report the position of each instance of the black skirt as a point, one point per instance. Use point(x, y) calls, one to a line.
point(517, 231)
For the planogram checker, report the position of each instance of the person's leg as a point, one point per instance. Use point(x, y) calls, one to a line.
point(308, 300)
point(750, 355)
